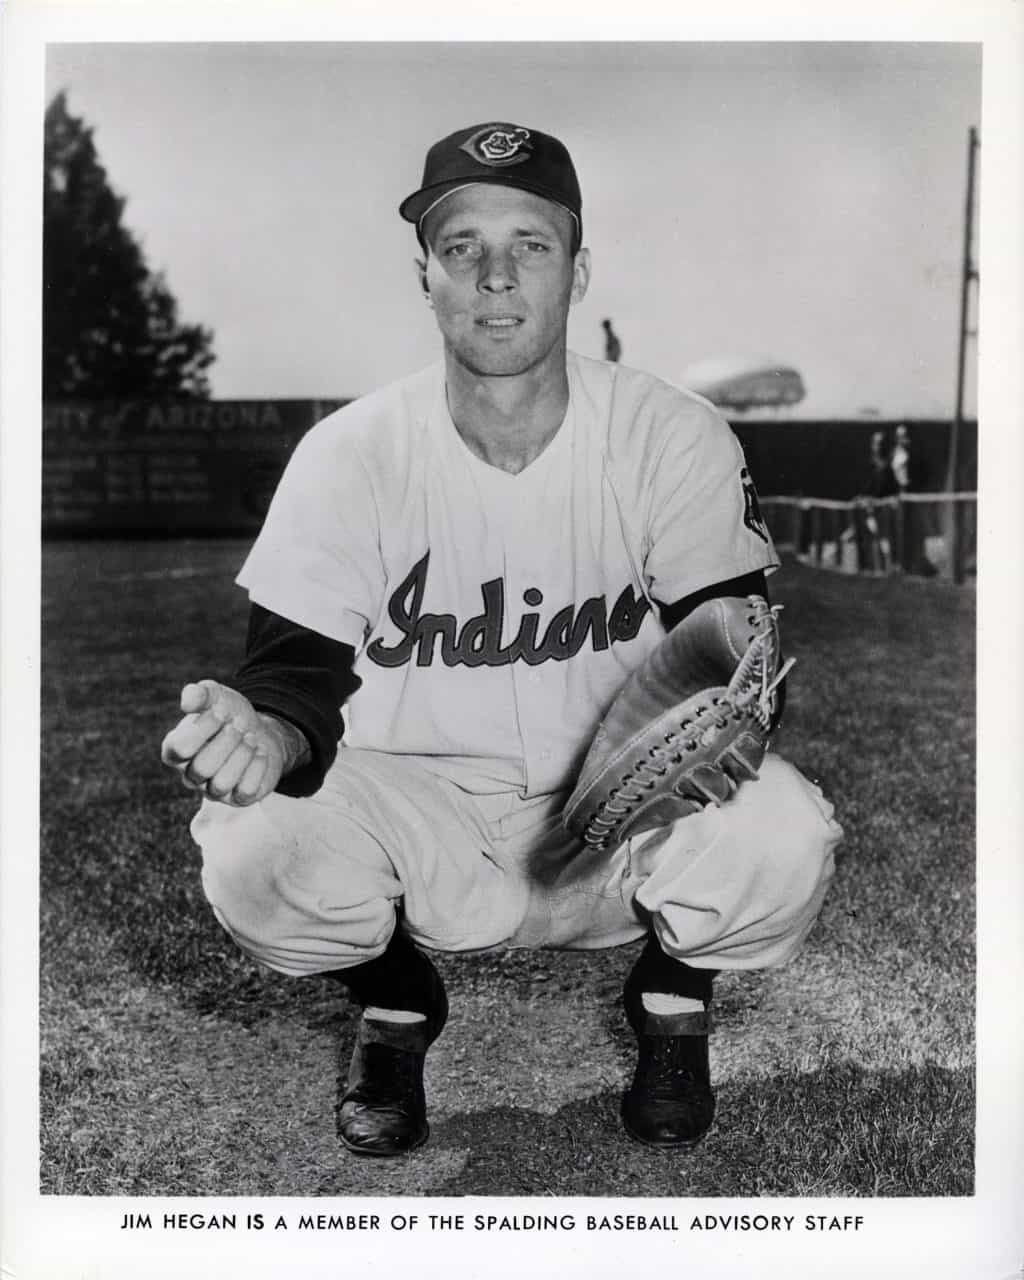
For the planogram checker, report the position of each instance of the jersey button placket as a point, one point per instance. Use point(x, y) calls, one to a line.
point(527, 679)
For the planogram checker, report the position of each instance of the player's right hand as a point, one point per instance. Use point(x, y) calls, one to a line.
point(223, 746)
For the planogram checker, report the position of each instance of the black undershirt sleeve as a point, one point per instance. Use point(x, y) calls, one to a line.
point(303, 677)
point(749, 584)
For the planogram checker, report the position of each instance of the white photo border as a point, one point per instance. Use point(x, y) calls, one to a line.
point(980, 1236)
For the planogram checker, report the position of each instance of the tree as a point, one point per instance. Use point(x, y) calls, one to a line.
point(110, 325)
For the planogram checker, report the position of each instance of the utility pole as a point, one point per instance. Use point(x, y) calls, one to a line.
point(968, 277)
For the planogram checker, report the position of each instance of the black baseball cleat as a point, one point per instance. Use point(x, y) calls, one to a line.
point(384, 1109)
point(670, 1102)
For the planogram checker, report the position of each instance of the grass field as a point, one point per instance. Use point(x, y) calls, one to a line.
point(172, 1066)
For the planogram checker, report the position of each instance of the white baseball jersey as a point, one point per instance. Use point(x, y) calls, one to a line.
point(495, 616)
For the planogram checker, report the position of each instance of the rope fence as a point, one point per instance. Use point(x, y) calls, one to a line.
point(926, 534)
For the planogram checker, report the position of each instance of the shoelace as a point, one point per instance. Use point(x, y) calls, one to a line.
point(392, 1076)
point(668, 1067)
point(750, 680)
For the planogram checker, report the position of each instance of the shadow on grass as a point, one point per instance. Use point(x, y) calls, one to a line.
point(840, 1131)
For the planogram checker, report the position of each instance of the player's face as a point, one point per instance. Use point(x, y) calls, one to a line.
point(501, 277)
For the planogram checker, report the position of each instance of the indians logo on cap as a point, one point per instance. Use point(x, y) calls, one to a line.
point(499, 144)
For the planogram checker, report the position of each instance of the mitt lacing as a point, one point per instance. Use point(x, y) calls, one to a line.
point(752, 682)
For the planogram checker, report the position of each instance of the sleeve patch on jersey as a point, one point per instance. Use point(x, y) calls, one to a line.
point(752, 517)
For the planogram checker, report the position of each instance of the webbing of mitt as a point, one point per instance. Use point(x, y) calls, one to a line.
point(697, 752)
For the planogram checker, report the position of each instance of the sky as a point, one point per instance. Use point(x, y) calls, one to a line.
point(792, 202)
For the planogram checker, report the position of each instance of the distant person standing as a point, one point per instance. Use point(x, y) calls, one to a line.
point(899, 461)
point(907, 478)
point(876, 552)
point(882, 482)
point(612, 345)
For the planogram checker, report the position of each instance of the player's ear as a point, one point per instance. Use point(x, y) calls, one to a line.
point(421, 277)
point(580, 275)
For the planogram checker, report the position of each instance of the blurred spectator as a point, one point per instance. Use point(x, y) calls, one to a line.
point(900, 462)
point(917, 518)
point(876, 526)
point(882, 482)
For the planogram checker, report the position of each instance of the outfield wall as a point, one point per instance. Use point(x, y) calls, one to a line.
point(830, 458)
point(210, 467)
point(197, 467)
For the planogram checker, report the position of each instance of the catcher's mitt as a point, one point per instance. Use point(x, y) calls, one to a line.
point(687, 727)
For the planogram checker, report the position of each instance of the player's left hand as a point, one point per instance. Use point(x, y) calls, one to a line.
point(223, 746)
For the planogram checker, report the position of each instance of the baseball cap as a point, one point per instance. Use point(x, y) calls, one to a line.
point(507, 155)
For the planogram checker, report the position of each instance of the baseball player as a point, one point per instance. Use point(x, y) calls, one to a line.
point(456, 577)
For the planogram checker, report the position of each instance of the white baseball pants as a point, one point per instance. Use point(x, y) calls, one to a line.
point(313, 884)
